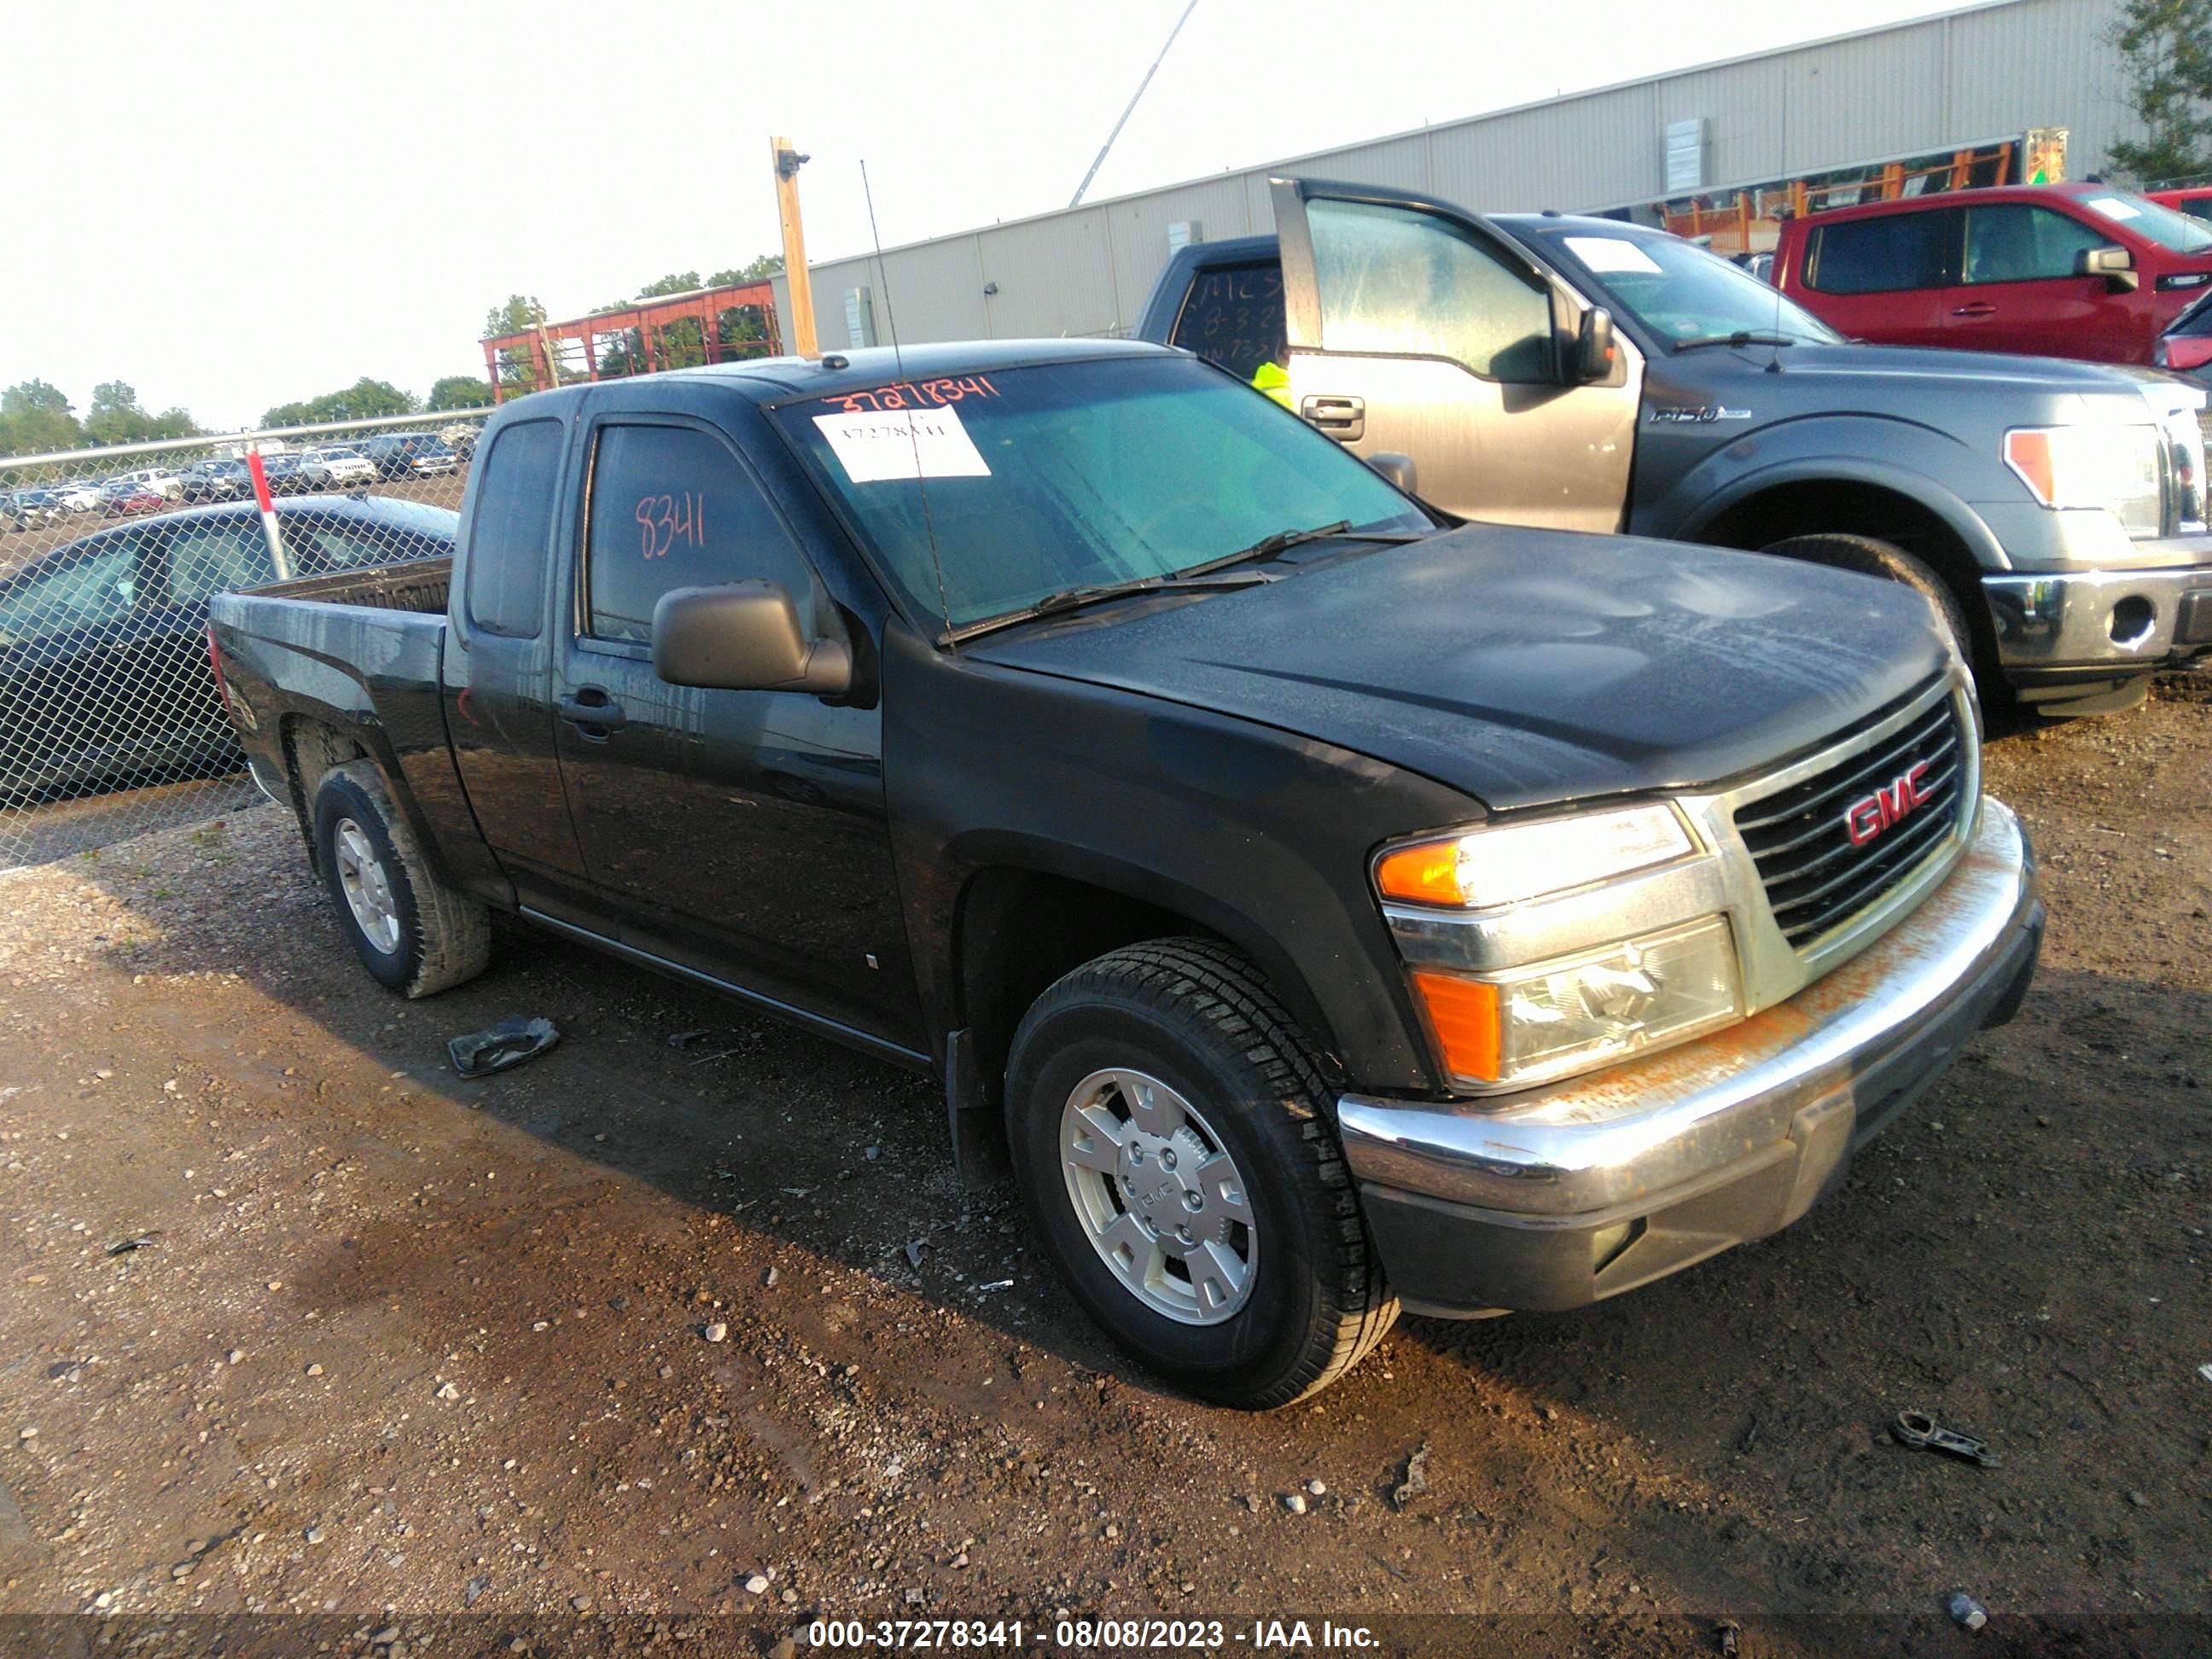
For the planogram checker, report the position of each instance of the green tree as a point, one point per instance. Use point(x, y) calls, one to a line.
point(365, 399)
point(2166, 46)
point(518, 371)
point(680, 344)
point(746, 324)
point(115, 418)
point(35, 417)
point(762, 267)
point(458, 391)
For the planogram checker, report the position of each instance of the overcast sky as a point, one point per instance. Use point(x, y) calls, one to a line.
point(233, 205)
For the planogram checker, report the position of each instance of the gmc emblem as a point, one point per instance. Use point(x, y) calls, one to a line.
point(1865, 820)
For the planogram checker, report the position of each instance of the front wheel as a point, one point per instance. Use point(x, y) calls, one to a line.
point(1872, 557)
point(413, 933)
point(1172, 1136)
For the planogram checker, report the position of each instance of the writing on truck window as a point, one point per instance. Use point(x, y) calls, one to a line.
point(662, 520)
point(914, 394)
point(878, 445)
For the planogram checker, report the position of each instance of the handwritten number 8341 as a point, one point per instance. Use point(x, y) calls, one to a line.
point(664, 520)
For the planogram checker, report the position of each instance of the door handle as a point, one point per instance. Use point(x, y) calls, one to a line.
point(1982, 309)
point(593, 711)
point(1342, 418)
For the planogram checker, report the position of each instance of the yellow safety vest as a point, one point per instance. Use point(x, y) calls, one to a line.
point(1272, 380)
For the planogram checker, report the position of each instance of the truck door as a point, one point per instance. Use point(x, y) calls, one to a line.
point(739, 834)
point(2019, 290)
point(1416, 327)
point(498, 671)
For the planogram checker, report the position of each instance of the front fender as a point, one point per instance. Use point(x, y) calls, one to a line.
point(1250, 832)
point(1889, 455)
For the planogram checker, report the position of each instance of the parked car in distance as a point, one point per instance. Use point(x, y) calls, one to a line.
point(79, 497)
point(31, 509)
point(161, 480)
point(462, 436)
point(1589, 375)
point(300, 472)
point(2061, 270)
point(344, 465)
point(216, 481)
point(1330, 907)
point(104, 674)
point(2195, 200)
point(2185, 349)
point(409, 454)
point(122, 497)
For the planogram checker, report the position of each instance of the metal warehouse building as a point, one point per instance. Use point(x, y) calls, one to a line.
point(1943, 99)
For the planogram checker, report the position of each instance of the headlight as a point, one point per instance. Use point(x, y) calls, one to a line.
point(1528, 1025)
point(2113, 467)
point(1485, 868)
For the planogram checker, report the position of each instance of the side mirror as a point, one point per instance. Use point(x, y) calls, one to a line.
point(1594, 350)
point(2115, 265)
point(1397, 468)
point(744, 637)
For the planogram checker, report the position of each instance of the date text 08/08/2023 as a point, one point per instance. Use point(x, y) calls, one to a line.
point(1088, 1635)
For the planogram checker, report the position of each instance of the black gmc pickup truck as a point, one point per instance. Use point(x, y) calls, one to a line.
point(1329, 908)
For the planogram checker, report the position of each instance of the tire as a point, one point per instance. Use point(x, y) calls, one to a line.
point(1185, 1036)
point(414, 934)
point(1878, 558)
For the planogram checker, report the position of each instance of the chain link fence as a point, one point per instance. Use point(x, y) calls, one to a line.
point(110, 725)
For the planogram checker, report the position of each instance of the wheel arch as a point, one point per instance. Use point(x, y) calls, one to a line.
point(1031, 915)
point(1911, 514)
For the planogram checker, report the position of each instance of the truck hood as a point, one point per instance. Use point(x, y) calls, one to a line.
point(1522, 667)
point(1882, 368)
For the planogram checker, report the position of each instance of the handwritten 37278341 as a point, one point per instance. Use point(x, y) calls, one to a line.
point(914, 394)
point(665, 521)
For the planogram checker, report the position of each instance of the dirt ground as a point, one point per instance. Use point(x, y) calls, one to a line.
point(394, 1344)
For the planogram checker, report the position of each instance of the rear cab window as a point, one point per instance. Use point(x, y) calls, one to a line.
point(1233, 316)
point(1889, 253)
point(510, 535)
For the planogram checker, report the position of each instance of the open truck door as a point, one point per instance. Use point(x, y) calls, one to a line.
point(1414, 327)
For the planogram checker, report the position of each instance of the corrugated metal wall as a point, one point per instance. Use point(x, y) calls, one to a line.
point(1965, 78)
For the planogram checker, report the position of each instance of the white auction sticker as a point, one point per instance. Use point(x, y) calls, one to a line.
point(1613, 253)
point(882, 446)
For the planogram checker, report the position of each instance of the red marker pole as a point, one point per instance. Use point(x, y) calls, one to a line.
point(268, 506)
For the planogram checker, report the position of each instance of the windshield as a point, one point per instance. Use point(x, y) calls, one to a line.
point(2147, 219)
point(1682, 293)
point(1074, 475)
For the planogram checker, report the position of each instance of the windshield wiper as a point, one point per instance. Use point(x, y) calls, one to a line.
point(1060, 601)
point(1274, 546)
point(1197, 578)
point(1743, 337)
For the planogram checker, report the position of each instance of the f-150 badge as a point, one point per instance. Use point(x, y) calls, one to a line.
point(1705, 414)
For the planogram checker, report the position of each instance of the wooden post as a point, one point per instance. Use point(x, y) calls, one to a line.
point(794, 246)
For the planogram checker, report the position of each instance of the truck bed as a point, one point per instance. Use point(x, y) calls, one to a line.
point(418, 585)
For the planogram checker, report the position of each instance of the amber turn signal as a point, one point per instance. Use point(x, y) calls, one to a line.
point(1463, 1014)
point(1427, 873)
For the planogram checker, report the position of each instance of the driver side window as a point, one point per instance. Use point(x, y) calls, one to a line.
point(670, 506)
point(1397, 282)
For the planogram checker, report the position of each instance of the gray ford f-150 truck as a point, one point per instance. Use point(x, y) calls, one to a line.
point(1590, 374)
point(1328, 909)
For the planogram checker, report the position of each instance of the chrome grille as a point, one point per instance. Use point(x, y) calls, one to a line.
point(1815, 876)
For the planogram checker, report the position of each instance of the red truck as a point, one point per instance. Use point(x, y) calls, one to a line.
point(2061, 270)
point(2195, 200)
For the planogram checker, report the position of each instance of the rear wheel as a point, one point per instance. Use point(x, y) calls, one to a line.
point(1172, 1137)
point(413, 933)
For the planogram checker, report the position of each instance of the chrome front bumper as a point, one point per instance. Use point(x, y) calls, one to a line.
point(1579, 1191)
point(2110, 619)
